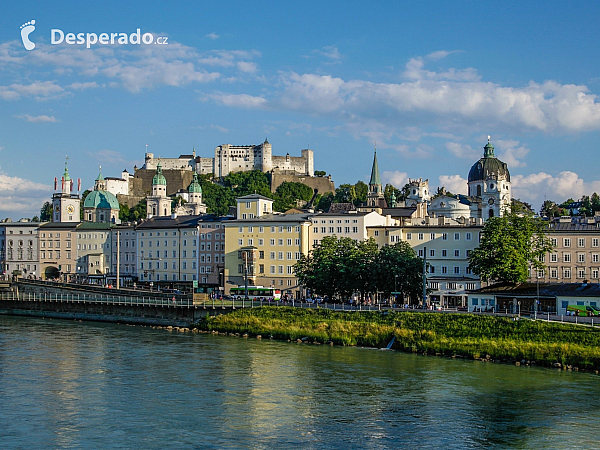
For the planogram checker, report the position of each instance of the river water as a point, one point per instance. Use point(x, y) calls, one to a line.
point(89, 385)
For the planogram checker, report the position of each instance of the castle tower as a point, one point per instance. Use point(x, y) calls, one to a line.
point(158, 204)
point(267, 156)
point(375, 194)
point(65, 204)
point(489, 182)
point(418, 192)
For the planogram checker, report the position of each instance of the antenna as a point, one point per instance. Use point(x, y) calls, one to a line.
point(489, 138)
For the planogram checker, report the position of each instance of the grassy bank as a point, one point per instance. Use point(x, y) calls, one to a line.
point(447, 334)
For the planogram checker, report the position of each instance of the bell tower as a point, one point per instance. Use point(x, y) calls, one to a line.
point(65, 204)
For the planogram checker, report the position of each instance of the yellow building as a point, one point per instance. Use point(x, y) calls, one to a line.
point(265, 245)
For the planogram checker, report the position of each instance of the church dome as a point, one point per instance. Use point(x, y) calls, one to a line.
point(101, 199)
point(488, 166)
point(194, 186)
point(159, 178)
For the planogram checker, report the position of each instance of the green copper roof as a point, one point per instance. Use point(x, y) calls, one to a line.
point(159, 178)
point(66, 174)
point(375, 172)
point(194, 186)
point(100, 177)
point(488, 165)
point(101, 199)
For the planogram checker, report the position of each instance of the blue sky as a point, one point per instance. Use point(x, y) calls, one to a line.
point(427, 81)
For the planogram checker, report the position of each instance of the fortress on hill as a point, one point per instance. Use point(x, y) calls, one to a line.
point(227, 158)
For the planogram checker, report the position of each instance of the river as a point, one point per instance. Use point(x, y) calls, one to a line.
point(73, 385)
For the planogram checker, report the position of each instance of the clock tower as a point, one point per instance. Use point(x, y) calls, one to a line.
point(65, 204)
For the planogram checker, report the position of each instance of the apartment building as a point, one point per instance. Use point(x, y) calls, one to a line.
point(19, 249)
point(58, 250)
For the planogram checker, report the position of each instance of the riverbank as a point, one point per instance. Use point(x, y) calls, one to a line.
point(488, 338)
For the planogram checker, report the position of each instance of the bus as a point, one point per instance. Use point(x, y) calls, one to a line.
point(255, 292)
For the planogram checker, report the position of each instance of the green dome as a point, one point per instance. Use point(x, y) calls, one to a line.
point(194, 186)
point(487, 166)
point(101, 199)
point(159, 178)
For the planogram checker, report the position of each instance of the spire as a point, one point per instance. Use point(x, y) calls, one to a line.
point(100, 177)
point(66, 174)
point(375, 179)
point(488, 150)
point(159, 178)
point(194, 186)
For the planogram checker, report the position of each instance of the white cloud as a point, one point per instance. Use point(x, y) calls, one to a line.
point(43, 90)
point(213, 36)
point(37, 119)
point(82, 86)
point(511, 152)
point(239, 100)
point(21, 195)
point(245, 66)
point(220, 128)
point(330, 52)
point(463, 151)
point(537, 186)
point(396, 178)
point(454, 183)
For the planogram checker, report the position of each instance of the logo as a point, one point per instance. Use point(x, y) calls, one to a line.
point(26, 30)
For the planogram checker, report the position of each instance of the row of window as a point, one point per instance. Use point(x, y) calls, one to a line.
point(566, 242)
point(174, 233)
point(166, 243)
point(444, 270)
point(272, 269)
point(54, 254)
point(57, 235)
point(443, 253)
point(566, 272)
point(10, 243)
point(261, 242)
point(165, 266)
point(338, 221)
point(566, 257)
point(335, 230)
point(55, 244)
point(432, 236)
point(250, 229)
point(451, 285)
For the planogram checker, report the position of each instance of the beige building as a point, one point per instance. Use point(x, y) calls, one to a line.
point(576, 254)
point(93, 251)
point(264, 245)
point(446, 246)
point(19, 249)
point(58, 250)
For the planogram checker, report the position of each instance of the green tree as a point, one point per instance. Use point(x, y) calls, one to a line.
point(46, 212)
point(361, 190)
point(345, 193)
point(595, 201)
point(123, 212)
point(518, 206)
point(320, 173)
point(83, 197)
point(288, 193)
point(323, 202)
point(509, 246)
point(138, 212)
point(399, 269)
point(359, 267)
point(550, 209)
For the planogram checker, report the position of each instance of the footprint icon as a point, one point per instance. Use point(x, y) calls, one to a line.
point(26, 30)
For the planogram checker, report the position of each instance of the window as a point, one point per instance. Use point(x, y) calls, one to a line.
point(323, 229)
point(434, 285)
point(261, 242)
point(297, 256)
point(240, 242)
point(289, 255)
point(444, 253)
point(280, 270)
point(581, 257)
point(567, 273)
point(566, 242)
point(279, 255)
point(580, 273)
point(567, 257)
point(580, 242)
point(408, 236)
point(250, 241)
point(261, 268)
point(468, 236)
point(553, 257)
point(290, 270)
point(289, 242)
point(456, 270)
point(431, 253)
point(457, 253)
point(595, 273)
point(553, 273)
point(272, 255)
point(420, 236)
point(469, 253)
point(432, 236)
point(272, 242)
point(595, 242)
point(457, 236)
point(420, 253)
point(444, 269)
point(355, 229)
point(444, 236)
point(261, 255)
point(470, 286)
point(376, 232)
point(431, 269)
point(315, 229)
point(595, 257)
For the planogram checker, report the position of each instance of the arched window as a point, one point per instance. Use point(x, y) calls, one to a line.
point(478, 190)
point(491, 213)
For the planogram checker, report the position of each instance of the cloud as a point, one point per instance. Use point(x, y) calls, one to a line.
point(213, 36)
point(454, 183)
point(219, 128)
point(82, 86)
point(37, 119)
point(239, 100)
point(511, 152)
point(537, 186)
point(245, 66)
point(44, 90)
point(463, 151)
point(21, 195)
point(396, 178)
point(111, 158)
point(330, 52)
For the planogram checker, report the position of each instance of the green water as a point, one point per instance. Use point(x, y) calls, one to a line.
point(88, 385)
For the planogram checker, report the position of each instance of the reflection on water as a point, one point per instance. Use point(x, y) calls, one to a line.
point(87, 385)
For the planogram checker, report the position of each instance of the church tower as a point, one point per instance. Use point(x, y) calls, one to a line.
point(194, 204)
point(158, 204)
point(418, 192)
point(489, 183)
point(375, 194)
point(65, 204)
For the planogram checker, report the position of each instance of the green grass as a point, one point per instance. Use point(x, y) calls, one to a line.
point(447, 334)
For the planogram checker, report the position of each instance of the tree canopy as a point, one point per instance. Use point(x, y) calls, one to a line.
point(338, 267)
point(509, 246)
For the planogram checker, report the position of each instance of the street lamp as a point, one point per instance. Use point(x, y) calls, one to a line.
point(396, 288)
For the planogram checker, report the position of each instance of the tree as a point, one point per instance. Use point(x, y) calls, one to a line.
point(288, 193)
point(550, 209)
point(83, 197)
point(320, 173)
point(123, 212)
point(324, 201)
point(138, 212)
point(360, 191)
point(46, 212)
point(398, 268)
point(518, 206)
point(509, 246)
